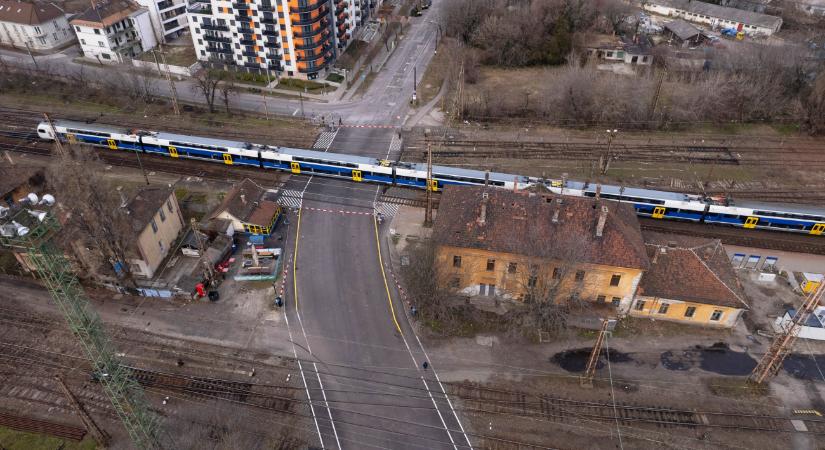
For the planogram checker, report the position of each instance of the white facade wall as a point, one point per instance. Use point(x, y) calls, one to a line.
point(169, 18)
point(714, 22)
point(45, 36)
point(119, 42)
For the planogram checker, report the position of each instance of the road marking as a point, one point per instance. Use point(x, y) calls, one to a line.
point(296, 111)
point(384, 275)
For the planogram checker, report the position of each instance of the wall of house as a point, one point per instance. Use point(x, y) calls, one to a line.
point(712, 21)
point(44, 36)
point(155, 245)
point(473, 278)
point(650, 307)
point(143, 24)
point(236, 224)
point(94, 43)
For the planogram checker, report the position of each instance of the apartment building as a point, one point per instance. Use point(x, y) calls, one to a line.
point(114, 31)
point(38, 26)
point(520, 246)
point(169, 19)
point(293, 38)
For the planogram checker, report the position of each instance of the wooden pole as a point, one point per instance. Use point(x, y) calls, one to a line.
point(428, 213)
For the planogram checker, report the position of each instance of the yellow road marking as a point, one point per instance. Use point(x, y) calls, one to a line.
point(295, 261)
point(384, 274)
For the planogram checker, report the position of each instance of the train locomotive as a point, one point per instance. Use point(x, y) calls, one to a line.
point(647, 202)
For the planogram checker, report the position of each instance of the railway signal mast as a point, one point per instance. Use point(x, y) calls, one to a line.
point(28, 227)
point(782, 344)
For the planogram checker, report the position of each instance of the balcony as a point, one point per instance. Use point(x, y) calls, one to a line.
point(270, 32)
point(252, 65)
point(315, 68)
point(323, 31)
point(322, 15)
point(214, 27)
point(249, 54)
point(243, 18)
point(311, 6)
point(247, 41)
point(242, 6)
point(165, 4)
point(223, 50)
point(270, 20)
point(215, 38)
point(272, 44)
point(323, 53)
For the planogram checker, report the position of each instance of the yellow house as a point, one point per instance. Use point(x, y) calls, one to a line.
point(690, 280)
point(155, 217)
point(520, 245)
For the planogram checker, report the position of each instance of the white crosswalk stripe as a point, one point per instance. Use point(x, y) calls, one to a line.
point(395, 144)
point(387, 209)
point(325, 140)
point(290, 198)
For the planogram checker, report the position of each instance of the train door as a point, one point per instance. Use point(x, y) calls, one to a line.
point(750, 222)
point(227, 158)
point(173, 152)
point(818, 229)
point(112, 144)
point(432, 185)
point(658, 212)
point(295, 167)
point(356, 175)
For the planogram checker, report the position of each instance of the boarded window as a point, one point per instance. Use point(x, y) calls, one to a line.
point(579, 275)
point(511, 268)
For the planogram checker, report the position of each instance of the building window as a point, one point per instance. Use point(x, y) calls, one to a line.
point(640, 305)
point(579, 275)
point(456, 261)
point(169, 206)
point(105, 56)
point(663, 308)
point(717, 314)
point(601, 299)
point(455, 282)
point(615, 279)
point(100, 43)
point(531, 282)
point(162, 215)
point(37, 30)
point(511, 268)
point(690, 311)
point(491, 265)
point(556, 273)
point(616, 301)
point(154, 226)
point(83, 41)
point(97, 31)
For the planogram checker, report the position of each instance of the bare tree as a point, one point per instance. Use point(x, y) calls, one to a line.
point(206, 82)
point(228, 89)
point(92, 207)
point(813, 105)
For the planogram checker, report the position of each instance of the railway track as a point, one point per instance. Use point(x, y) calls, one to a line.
point(32, 425)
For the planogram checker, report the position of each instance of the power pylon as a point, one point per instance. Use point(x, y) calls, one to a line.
point(782, 344)
point(592, 362)
point(30, 230)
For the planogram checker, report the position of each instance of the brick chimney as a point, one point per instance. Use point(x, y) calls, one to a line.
point(601, 222)
point(556, 210)
point(482, 216)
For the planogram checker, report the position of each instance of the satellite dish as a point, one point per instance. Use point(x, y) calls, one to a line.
point(21, 230)
point(47, 199)
point(39, 214)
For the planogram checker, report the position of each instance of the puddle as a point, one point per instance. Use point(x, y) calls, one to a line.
point(718, 358)
point(576, 360)
point(805, 367)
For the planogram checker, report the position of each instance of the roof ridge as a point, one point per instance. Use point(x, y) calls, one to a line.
point(717, 276)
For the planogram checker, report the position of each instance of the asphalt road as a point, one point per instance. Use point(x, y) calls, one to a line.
point(363, 364)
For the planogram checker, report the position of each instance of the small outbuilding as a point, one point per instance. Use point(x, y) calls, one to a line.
point(247, 208)
point(683, 34)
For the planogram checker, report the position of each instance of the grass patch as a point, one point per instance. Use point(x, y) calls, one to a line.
point(249, 78)
point(18, 440)
point(295, 84)
point(176, 55)
point(433, 77)
point(738, 388)
point(180, 193)
point(787, 128)
point(335, 77)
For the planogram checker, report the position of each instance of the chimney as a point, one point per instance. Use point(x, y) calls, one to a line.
point(482, 217)
point(598, 192)
point(123, 201)
point(556, 210)
point(601, 222)
point(243, 198)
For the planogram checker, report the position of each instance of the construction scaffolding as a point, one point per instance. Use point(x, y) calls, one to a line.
point(782, 344)
point(30, 232)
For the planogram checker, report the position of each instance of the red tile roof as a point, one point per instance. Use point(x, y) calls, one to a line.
point(28, 13)
point(523, 224)
point(105, 13)
point(690, 269)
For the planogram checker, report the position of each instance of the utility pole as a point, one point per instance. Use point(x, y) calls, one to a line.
point(655, 102)
point(31, 232)
point(604, 161)
point(168, 75)
point(428, 213)
point(415, 85)
point(301, 96)
point(459, 108)
point(590, 370)
point(28, 49)
point(57, 143)
point(782, 344)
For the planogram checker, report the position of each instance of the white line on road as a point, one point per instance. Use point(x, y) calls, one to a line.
point(296, 111)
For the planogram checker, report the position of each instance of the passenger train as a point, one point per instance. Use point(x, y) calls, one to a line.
point(648, 203)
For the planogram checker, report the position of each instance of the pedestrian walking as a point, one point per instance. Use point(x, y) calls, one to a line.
point(425, 365)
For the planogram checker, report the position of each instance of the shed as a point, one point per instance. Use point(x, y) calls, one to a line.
point(682, 33)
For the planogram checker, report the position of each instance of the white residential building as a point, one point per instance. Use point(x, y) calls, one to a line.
point(169, 19)
point(293, 38)
point(38, 26)
point(114, 31)
point(716, 16)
